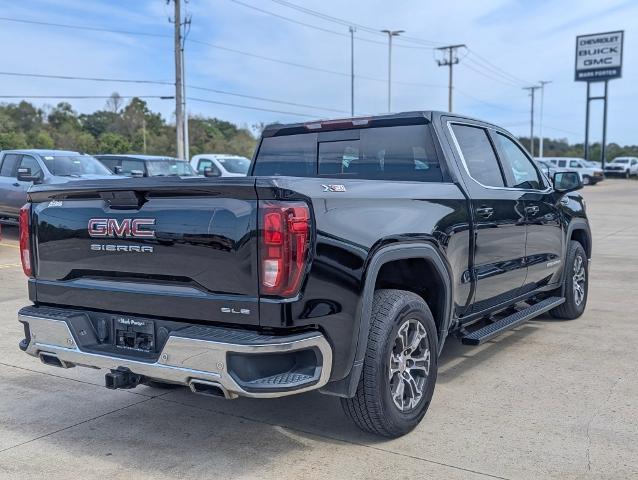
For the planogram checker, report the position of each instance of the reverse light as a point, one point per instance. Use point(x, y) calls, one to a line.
point(25, 239)
point(284, 245)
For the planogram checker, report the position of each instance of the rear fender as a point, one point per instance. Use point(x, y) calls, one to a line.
point(348, 385)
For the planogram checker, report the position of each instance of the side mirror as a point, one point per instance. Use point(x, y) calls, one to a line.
point(209, 172)
point(137, 173)
point(567, 182)
point(24, 175)
point(117, 170)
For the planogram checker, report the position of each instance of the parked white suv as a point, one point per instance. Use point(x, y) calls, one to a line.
point(622, 166)
point(589, 175)
point(220, 165)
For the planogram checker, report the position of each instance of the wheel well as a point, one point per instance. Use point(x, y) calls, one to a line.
point(419, 276)
point(581, 236)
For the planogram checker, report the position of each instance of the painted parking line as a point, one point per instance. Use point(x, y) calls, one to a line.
point(10, 265)
point(12, 245)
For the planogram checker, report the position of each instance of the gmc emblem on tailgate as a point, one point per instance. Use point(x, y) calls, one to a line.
point(125, 228)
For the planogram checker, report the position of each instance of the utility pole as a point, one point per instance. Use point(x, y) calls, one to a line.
point(391, 33)
point(449, 62)
point(352, 30)
point(540, 126)
point(186, 142)
point(532, 90)
point(179, 88)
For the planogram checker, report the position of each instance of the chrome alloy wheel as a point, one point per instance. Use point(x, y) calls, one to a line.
point(409, 365)
point(579, 279)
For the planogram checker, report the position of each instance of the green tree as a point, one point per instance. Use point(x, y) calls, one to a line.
point(42, 139)
point(113, 143)
point(63, 115)
point(12, 140)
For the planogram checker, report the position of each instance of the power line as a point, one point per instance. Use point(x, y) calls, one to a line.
point(498, 69)
point(323, 29)
point(92, 79)
point(468, 65)
point(249, 107)
point(228, 49)
point(264, 99)
point(158, 82)
point(347, 23)
point(489, 104)
point(309, 67)
point(84, 27)
point(75, 97)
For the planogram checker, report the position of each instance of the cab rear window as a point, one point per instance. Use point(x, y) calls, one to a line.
point(404, 152)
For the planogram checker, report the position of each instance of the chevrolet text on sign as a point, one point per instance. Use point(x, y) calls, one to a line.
point(599, 56)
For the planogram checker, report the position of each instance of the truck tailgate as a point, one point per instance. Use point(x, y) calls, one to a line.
point(174, 248)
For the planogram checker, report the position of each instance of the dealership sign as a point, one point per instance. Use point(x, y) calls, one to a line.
point(599, 56)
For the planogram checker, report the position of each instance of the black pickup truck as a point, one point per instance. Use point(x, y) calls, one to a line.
point(342, 263)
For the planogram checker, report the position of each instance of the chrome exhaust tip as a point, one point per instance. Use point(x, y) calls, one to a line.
point(211, 389)
point(53, 360)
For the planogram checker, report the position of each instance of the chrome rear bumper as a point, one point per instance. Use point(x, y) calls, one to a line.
point(194, 362)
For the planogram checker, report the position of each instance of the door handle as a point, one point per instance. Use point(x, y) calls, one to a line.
point(485, 212)
point(16, 184)
point(533, 210)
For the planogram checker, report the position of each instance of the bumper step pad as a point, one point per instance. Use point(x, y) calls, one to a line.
point(488, 332)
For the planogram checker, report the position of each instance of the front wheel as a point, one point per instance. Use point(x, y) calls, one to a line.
point(627, 174)
point(400, 366)
point(575, 283)
point(586, 180)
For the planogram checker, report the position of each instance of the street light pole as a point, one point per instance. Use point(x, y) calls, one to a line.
point(352, 30)
point(540, 123)
point(391, 33)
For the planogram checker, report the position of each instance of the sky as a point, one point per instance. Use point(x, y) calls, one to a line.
point(232, 45)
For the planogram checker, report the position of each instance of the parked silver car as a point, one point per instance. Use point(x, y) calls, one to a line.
point(19, 169)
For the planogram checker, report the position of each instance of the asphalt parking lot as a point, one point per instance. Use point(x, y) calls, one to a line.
point(551, 399)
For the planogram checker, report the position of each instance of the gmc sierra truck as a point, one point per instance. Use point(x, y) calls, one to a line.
point(342, 263)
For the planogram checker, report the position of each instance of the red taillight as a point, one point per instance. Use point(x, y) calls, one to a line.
point(285, 240)
point(25, 240)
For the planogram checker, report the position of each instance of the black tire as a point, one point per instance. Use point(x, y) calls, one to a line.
point(572, 308)
point(372, 408)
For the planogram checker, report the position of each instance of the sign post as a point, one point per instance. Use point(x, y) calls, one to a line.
point(598, 59)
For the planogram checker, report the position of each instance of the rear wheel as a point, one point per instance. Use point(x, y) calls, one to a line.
point(627, 174)
point(575, 283)
point(586, 180)
point(400, 366)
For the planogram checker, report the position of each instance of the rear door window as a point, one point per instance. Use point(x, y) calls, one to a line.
point(521, 172)
point(478, 155)
point(110, 162)
point(9, 164)
point(128, 165)
point(32, 164)
point(386, 153)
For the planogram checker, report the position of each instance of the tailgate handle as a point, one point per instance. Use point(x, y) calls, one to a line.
point(124, 200)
